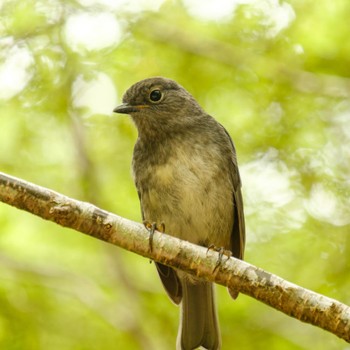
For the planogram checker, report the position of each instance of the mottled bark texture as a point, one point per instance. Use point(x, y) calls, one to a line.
point(295, 301)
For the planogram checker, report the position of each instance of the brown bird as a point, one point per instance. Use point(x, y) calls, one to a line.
point(186, 174)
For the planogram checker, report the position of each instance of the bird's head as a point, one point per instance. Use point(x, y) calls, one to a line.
point(159, 103)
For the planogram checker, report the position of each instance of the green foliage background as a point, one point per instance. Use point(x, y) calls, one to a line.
point(276, 74)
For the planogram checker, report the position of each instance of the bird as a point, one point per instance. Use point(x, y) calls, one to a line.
point(185, 170)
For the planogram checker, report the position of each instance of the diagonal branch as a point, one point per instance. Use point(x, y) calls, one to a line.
point(282, 295)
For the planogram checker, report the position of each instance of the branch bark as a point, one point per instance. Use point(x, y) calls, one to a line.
point(293, 300)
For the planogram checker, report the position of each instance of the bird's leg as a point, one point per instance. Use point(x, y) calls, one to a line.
point(221, 252)
point(151, 227)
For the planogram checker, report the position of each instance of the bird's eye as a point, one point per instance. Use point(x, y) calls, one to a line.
point(155, 95)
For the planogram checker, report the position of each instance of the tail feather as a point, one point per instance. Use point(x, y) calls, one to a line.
point(199, 324)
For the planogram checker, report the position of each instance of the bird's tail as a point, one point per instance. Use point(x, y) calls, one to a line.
point(198, 324)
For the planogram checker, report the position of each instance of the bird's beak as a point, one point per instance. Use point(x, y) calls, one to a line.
point(126, 108)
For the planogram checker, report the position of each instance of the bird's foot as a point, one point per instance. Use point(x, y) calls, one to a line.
point(151, 227)
point(221, 252)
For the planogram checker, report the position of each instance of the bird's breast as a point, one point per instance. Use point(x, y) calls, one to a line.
point(190, 192)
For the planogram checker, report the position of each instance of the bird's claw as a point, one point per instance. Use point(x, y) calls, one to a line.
point(221, 252)
point(151, 227)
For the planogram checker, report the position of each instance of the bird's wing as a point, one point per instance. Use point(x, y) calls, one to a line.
point(238, 229)
point(171, 282)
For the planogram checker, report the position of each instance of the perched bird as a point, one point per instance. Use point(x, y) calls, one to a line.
point(186, 174)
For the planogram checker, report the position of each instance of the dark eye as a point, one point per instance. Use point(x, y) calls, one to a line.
point(155, 95)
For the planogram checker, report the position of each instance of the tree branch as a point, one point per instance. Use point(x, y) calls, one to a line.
point(295, 301)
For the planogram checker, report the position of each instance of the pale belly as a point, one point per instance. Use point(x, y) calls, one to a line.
point(194, 201)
